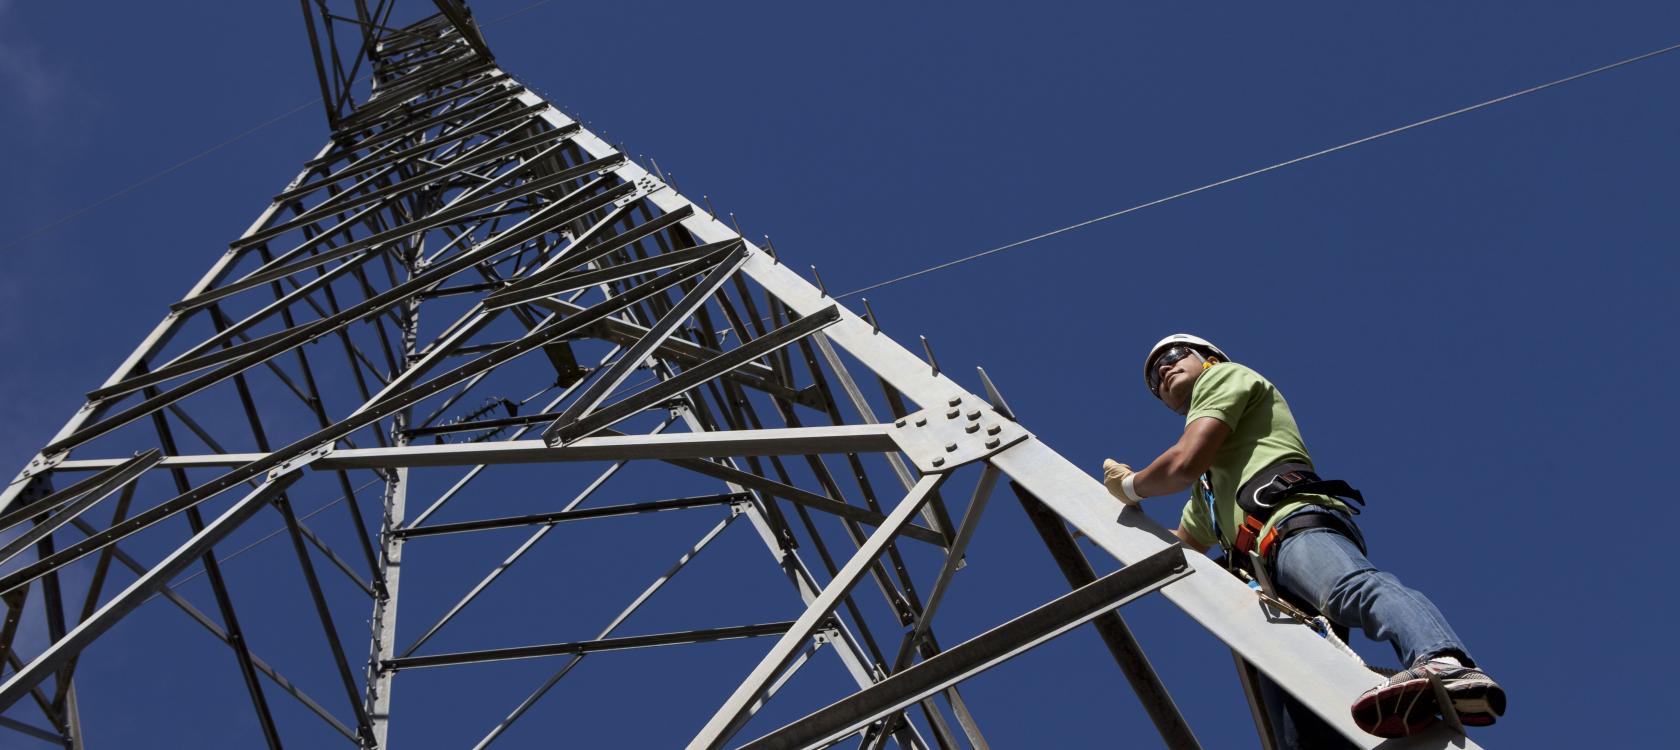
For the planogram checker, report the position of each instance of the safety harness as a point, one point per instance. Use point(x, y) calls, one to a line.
point(1264, 492)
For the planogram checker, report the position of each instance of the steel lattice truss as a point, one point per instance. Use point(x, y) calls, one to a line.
point(464, 280)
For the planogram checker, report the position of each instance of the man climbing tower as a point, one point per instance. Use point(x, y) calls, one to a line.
point(1254, 491)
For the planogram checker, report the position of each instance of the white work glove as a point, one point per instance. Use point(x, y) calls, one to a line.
point(1118, 477)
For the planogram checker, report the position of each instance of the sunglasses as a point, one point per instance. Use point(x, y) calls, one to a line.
point(1169, 357)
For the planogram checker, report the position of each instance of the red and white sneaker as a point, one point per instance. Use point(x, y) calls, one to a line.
point(1406, 703)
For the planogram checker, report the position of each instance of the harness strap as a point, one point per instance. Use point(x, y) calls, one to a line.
point(1301, 522)
point(1261, 495)
point(1269, 487)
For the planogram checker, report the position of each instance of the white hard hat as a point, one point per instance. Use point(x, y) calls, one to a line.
point(1176, 339)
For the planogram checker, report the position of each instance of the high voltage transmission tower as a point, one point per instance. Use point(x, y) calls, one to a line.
point(469, 313)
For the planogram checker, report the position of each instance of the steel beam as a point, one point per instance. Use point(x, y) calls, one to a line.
point(590, 647)
point(670, 446)
point(735, 711)
point(451, 168)
point(120, 477)
point(1157, 702)
point(563, 516)
point(32, 731)
point(398, 396)
point(695, 375)
point(614, 375)
point(72, 643)
point(624, 614)
point(159, 336)
point(1326, 680)
point(753, 374)
point(983, 652)
point(847, 648)
point(128, 561)
point(1321, 677)
point(802, 497)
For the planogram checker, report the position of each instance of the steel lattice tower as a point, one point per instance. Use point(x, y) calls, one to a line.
point(466, 288)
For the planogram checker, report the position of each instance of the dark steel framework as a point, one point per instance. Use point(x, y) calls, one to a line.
point(462, 269)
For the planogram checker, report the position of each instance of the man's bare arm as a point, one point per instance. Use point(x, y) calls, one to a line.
point(1184, 536)
point(1179, 466)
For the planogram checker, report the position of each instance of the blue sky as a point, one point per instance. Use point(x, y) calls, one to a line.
point(1472, 321)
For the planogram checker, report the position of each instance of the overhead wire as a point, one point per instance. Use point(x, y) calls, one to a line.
point(512, 13)
point(78, 213)
point(1261, 171)
point(247, 548)
point(904, 277)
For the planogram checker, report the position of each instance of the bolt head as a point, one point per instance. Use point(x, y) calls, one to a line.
point(952, 414)
point(950, 447)
point(921, 422)
point(993, 443)
point(994, 429)
point(901, 422)
point(971, 429)
point(956, 400)
point(974, 414)
point(939, 461)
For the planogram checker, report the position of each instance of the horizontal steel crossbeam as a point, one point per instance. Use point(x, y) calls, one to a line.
point(562, 516)
point(453, 169)
point(983, 652)
point(589, 647)
point(870, 438)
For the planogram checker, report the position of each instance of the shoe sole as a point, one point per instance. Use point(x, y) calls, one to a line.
point(1404, 709)
point(1396, 710)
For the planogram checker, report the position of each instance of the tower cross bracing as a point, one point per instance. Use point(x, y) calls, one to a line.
point(468, 316)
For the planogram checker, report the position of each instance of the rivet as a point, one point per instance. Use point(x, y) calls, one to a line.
point(993, 443)
point(994, 429)
point(973, 428)
point(939, 461)
point(950, 447)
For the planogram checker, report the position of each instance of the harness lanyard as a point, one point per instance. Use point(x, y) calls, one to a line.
point(1213, 515)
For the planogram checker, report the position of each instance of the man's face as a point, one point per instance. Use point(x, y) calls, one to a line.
point(1177, 379)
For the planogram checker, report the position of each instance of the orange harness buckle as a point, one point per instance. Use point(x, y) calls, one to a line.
point(1249, 532)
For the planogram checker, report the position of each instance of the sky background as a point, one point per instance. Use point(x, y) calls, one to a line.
point(1473, 321)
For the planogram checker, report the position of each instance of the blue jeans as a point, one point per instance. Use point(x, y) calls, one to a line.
point(1327, 570)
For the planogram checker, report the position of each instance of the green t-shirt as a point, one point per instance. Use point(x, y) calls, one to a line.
point(1263, 432)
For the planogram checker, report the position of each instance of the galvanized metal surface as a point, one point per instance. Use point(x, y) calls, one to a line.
point(461, 240)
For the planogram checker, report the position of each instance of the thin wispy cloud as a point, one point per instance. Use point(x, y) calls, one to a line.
point(27, 76)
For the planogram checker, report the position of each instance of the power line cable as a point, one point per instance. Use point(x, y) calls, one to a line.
point(1262, 170)
point(512, 13)
point(78, 213)
point(247, 548)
